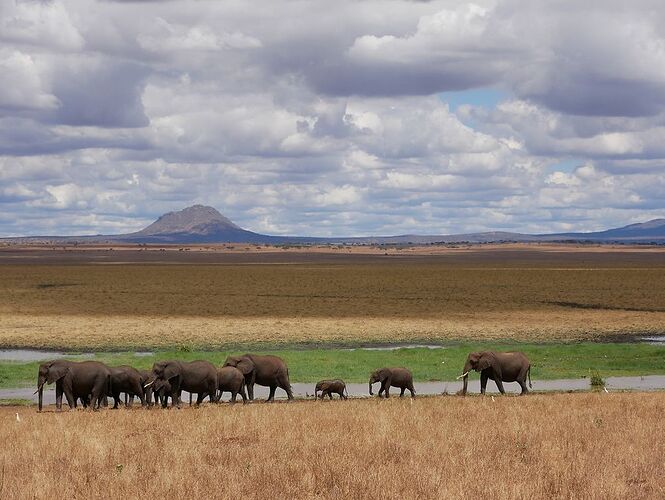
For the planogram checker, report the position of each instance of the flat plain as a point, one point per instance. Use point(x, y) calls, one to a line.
point(570, 308)
point(595, 446)
point(207, 298)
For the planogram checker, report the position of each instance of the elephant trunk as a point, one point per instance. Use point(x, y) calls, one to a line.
point(370, 388)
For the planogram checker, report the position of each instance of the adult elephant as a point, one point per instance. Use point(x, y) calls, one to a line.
point(269, 371)
point(87, 380)
point(194, 376)
point(392, 377)
point(126, 379)
point(498, 366)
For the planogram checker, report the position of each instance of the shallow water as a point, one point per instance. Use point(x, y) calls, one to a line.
point(646, 383)
point(36, 355)
point(658, 340)
point(394, 347)
point(27, 355)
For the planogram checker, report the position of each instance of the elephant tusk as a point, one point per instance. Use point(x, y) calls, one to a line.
point(148, 384)
point(463, 375)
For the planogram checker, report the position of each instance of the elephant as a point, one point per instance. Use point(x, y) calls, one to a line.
point(126, 379)
point(194, 376)
point(145, 377)
point(392, 377)
point(270, 371)
point(328, 387)
point(232, 380)
point(87, 380)
point(498, 366)
point(162, 391)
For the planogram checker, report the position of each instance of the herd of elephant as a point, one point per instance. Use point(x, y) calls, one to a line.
point(92, 382)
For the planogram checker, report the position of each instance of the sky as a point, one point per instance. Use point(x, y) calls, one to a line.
point(342, 118)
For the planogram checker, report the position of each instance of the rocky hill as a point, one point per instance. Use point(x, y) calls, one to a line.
point(203, 224)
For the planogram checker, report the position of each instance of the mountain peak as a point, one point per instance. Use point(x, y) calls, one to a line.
point(197, 219)
point(650, 224)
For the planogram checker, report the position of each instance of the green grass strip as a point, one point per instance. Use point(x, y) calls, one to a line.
point(549, 361)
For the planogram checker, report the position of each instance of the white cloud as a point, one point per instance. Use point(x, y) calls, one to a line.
point(289, 124)
point(21, 84)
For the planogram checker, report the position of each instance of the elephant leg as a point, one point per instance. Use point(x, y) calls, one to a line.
point(386, 389)
point(483, 382)
point(243, 395)
point(176, 393)
point(98, 395)
point(412, 390)
point(138, 391)
point(283, 383)
point(521, 379)
point(250, 390)
point(58, 396)
point(523, 386)
point(116, 400)
point(234, 395)
point(499, 385)
point(69, 394)
point(401, 392)
point(199, 398)
point(271, 397)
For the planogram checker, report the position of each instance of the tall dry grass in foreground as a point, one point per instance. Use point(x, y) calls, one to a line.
point(556, 446)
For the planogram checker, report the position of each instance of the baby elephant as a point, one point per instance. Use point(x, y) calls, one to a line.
point(328, 387)
point(392, 377)
point(230, 379)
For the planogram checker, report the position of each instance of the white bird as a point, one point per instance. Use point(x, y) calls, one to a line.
point(606, 390)
point(18, 419)
point(493, 399)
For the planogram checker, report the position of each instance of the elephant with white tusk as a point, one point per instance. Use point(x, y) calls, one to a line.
point(498, 366)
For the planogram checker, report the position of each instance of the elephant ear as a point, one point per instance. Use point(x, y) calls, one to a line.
point(56, 371)
point(170, 371)
point(245, 365)
point(230, 361)
point(486, 360)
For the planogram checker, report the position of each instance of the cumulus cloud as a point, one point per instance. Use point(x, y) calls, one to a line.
point(112, 113)
point(21, 85)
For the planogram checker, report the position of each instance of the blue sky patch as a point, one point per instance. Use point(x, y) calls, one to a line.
point(485, 97)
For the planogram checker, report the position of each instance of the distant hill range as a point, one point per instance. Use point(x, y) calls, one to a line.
point(201, 224)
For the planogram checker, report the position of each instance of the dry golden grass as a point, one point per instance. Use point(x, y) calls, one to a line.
point(81, 332)
point(526, 295)
point(597, 446)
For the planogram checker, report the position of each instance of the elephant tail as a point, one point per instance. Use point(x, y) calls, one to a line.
point(528, 372)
